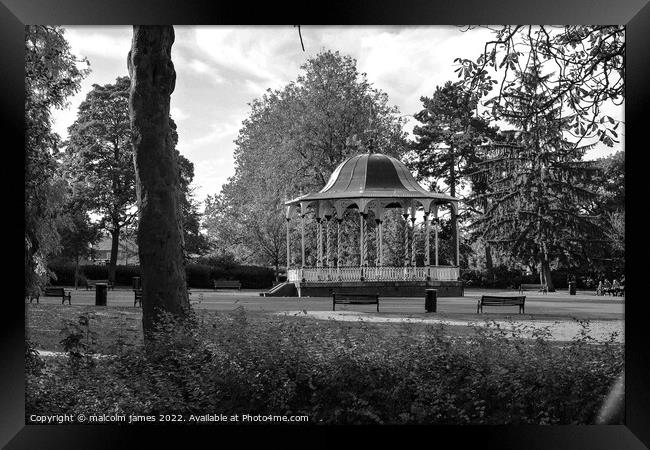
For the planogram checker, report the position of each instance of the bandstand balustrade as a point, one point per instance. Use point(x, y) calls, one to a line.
point(343, 274)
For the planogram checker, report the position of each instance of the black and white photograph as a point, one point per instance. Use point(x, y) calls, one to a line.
point(317, 225)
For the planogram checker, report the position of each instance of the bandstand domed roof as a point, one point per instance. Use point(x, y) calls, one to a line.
point(372, 176)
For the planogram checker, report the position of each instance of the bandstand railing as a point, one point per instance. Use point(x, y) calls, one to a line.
point(333, 274)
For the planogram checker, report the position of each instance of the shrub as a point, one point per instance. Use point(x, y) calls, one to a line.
point(341, 374)
point(65, 274)
point(198, 275)
point(253, 277)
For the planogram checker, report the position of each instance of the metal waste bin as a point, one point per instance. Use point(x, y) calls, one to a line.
point(431, 300)
point(101, 290)
point(136, 283)
point(572, 288)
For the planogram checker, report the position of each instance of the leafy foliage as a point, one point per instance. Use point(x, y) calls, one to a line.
point(342, 374)
point(52, 74)
point(585, 65)
point(199, 275)
point(541, 197)
point(100, 159)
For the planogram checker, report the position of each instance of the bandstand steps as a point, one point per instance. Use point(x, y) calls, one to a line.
point(286, 289)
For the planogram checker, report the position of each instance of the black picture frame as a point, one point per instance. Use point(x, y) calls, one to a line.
point(14, 14)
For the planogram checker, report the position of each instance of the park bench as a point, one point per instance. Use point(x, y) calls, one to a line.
point(227, 284)
point(354, 299)
point(533, 287)
point(93, 283)
point(500, 300)
point(54, 292)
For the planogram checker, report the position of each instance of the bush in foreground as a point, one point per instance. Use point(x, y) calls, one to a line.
point(344, 374)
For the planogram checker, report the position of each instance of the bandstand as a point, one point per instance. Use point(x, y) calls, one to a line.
point(369, 185)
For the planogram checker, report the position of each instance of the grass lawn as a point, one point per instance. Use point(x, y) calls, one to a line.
point(44, 323)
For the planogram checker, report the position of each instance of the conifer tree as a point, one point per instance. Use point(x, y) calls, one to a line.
point(541, 196)
point(446, 141)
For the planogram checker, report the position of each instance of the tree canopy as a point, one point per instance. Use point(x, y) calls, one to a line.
point(52, 74)
point(291, 141)
point(584, 68)
point(100, 159)
point(542, 196)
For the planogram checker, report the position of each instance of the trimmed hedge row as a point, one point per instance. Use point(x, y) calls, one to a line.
point(198, 275)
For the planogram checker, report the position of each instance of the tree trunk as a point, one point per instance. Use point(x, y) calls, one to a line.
point(489, 265)
point(160, 232)
point(546, 271)
point(76, 272)
point(115, 241)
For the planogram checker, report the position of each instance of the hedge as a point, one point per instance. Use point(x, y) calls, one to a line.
point(504, 278)
point(198, 275)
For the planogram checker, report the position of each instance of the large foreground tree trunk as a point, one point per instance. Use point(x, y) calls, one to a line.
point(160, 232)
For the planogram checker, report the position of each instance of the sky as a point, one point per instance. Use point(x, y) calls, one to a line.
point(221, 69)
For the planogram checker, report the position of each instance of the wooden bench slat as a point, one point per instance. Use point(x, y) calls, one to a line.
point(227, 284)
point(497, 300)
point(532, 287)
point(55, 292)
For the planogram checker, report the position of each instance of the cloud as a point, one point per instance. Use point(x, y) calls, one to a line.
point(104, 42)
point(218, 132)
point(251, 52)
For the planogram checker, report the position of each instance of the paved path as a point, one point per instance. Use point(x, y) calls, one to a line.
point(560, 330)
point(556, 311)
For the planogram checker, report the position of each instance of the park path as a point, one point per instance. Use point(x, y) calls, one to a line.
point(560, 330)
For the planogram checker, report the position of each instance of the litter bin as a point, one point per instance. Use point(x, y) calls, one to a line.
point(101, 290)
point(572, 288)
point(431, 300)
point(136, 283)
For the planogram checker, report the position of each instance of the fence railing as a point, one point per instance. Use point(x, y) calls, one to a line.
point(329, 274)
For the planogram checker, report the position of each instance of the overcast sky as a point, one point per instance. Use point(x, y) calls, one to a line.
point(220, 69)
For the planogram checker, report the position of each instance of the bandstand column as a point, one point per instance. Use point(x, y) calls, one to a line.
point(406, 239)
point(379, 244)
point(427, 247)
point(338, 244)
point(435, 238)
point(302, 230)
point(328, 240)
point(413, 239)
point(319, 242)
point(288, 247)
point(457, 239)
point(363, 244)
